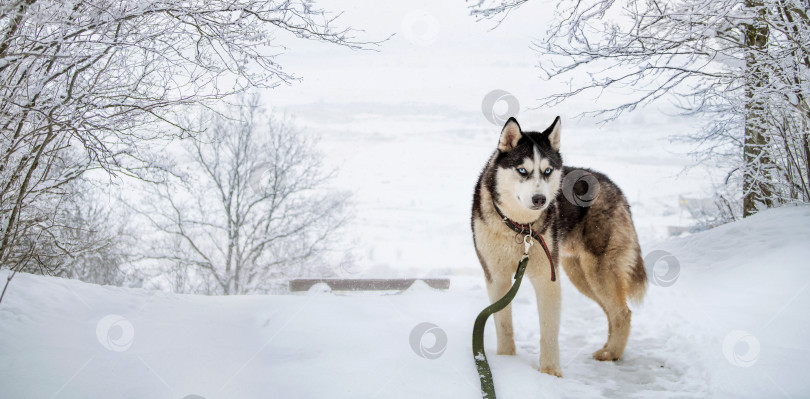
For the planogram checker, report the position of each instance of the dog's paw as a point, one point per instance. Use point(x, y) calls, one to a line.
point(605, 355)
point(551, 370)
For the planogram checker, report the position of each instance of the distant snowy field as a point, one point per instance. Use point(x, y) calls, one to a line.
point(405, 131)
point(732, 323)
point(412, 169)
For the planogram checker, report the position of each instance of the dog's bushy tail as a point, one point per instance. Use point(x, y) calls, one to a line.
point(638, 282)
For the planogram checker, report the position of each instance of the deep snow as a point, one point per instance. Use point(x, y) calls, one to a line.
point(730, 321)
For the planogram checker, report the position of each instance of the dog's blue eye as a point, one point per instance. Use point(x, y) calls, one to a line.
point(522, 171)
point(547, 171)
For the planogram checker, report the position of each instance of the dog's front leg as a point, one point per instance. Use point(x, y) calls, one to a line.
point(548, 307)
point(496, 289)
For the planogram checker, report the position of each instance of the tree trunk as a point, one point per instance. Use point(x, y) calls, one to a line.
point(807, 162)
point(757, 188)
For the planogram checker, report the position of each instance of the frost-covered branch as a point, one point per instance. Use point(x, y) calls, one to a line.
point(87, 84)
point(744, 62)
point(251, 205)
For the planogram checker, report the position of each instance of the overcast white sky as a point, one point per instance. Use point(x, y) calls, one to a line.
point(439, 54)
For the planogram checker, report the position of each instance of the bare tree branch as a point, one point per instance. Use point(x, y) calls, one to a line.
point(745, 64)
point(252, 204)
point(92, 84)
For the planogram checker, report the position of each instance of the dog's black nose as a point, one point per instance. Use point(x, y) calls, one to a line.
point(538, 200)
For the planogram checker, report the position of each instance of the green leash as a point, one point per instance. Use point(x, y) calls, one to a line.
point(484, 373)
point(487, 386)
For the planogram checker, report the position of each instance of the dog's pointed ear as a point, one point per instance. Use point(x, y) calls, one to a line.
point(554, 134)
point(510, 135)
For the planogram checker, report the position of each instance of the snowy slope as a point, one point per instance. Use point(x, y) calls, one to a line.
point(66, 339)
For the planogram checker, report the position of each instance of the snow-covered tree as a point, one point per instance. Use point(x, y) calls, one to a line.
point(743, 63)
point(85, 83)
point(247, 202)
point(97, 235)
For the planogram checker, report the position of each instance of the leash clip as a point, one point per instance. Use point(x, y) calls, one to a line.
point(527, 243)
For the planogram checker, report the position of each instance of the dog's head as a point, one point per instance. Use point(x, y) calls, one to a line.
point(528, 170)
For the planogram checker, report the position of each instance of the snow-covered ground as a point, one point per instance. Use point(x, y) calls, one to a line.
point(729, 319)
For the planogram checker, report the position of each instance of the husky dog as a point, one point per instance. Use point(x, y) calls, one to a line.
point(582, 216)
